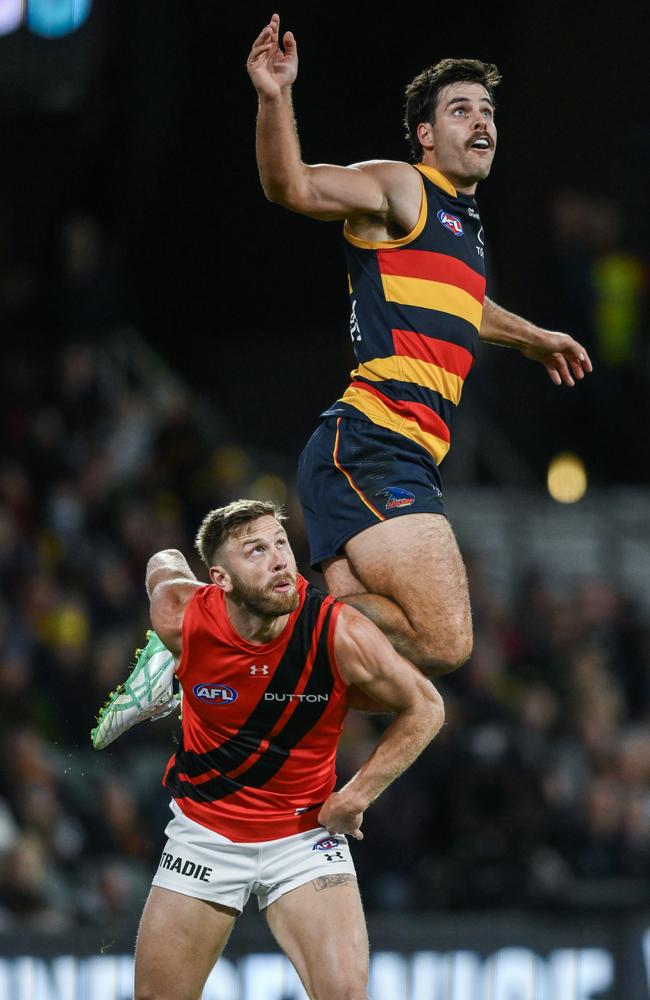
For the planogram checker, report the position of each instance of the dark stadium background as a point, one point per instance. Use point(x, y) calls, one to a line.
point(168, 340)
point(156, 141)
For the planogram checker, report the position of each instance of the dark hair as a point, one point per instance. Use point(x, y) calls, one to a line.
point(222, 523)
point(423, 92)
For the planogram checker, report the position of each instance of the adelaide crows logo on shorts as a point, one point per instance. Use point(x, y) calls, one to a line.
point(215, 694)
point(326, 844)
point(450, 222)
point(396, 497)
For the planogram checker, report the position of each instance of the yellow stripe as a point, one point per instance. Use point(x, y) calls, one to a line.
point(356, 241)
point(335, 456)
point(433, 295)
point(376, 411)
point(437, 178)
point(423, 373)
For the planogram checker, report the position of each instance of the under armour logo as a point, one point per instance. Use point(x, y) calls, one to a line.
point(335, 856)
point(263, 671)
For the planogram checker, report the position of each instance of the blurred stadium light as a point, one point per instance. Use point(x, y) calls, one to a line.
point(49, 18)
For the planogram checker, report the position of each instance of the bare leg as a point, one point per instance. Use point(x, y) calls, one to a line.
point(179, 940)
point(408, 576)
point(321, 928)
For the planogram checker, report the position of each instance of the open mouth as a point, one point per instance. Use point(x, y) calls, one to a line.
point(482, 144)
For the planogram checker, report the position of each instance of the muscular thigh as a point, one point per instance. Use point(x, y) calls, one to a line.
point(321, 928)
point(179, 940)
point(415, 561)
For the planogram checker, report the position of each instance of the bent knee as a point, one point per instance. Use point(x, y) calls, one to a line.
point(438, 655)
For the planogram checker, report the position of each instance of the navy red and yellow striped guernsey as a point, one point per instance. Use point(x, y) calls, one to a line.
point(416, 306)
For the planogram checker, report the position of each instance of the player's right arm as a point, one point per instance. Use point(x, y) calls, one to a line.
point(170, 585)
point(366, 659)
point(385, 192)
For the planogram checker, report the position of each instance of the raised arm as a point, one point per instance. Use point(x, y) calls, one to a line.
point(563, 357)
point(366, 658)
point(384, 189)
point(170, 584)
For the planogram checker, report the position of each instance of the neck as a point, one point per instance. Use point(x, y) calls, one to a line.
point(462, 184)
point(252, 626)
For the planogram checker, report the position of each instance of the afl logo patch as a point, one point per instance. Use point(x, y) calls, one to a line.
point(326, 844)
point(450, 222)
point(215, 694)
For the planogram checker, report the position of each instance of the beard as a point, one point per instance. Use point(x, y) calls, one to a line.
point(262, 601)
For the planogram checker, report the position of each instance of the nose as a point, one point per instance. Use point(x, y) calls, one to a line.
point(279, 559)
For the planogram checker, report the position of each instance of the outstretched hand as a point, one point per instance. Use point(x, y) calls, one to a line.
point(270, 68)
point(563, 357)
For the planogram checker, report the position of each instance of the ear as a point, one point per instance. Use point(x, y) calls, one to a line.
point(424, 133)
point(221, 578)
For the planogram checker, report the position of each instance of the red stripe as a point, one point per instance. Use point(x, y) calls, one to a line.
point(451, 357)
point(424, 416)
point(432, 267)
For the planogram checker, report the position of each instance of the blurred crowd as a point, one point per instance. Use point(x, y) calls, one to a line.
point(537, 791)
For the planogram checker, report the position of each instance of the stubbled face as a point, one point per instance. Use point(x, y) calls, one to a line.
point(257, 569)
point(462, 139)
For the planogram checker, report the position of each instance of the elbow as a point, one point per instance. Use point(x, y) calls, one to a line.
point(290, 195)
point(164, 557)
point(436, 710)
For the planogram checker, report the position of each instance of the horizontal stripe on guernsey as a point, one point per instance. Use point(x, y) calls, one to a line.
point(404, 369)
point(432, 266)
point(453, 358)
point(433, 295)
point(413, 420)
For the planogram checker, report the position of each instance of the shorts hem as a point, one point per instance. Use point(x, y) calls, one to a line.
point(303, 880)
point(338, 546)
point(197, 894)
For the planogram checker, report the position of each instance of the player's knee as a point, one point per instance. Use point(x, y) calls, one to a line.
point(440, 655)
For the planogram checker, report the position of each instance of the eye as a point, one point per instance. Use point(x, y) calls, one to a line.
point(488, 112)
point(458, 111)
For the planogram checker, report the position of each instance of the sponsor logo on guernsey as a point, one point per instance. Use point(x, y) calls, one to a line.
point(473, 214)
point(215, 694)
point(326, 844)
point(396, 497)
point(450, 222)
point(262, 671)
point(273, 696)
point(190, 869)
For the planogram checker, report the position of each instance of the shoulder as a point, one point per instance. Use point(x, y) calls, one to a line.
point(357, 640)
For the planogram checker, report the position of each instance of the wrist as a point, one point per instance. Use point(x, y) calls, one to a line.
point(354, 798)
point(281, 96)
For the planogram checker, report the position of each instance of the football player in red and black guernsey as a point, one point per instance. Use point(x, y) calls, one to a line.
point(369, 476)
point(267, 664)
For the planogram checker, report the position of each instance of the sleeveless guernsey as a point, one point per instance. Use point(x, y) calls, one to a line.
point(416, 306)
point(261, 723)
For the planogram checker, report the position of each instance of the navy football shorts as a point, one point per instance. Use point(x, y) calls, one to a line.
point(353, 474)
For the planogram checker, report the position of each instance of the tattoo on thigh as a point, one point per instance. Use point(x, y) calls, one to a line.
point(327, 881)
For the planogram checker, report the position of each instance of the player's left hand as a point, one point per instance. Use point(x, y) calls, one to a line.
point(563, 357)
point(339, 815)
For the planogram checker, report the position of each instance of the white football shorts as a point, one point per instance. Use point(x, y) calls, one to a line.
point(198, 862)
